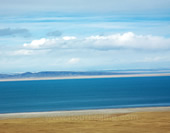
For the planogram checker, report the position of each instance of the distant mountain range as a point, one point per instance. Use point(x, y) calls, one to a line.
point(56, 74)
point(45, 74)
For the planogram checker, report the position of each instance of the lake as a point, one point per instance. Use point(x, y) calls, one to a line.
point(80, 94)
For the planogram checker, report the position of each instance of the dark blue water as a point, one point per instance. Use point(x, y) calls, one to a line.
point(77, 94)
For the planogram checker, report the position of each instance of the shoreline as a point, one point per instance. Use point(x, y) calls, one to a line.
point(87, 77)
point(82, 112)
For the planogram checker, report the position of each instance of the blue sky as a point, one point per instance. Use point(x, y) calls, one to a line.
point(81, 35)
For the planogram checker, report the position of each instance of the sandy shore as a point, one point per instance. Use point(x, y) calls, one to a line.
point(81, 112)
point(88, 77)
point(132, 120)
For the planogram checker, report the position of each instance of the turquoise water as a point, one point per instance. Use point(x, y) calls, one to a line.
point(77, 94)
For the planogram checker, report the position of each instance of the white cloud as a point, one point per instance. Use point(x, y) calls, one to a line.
point(127, 40)
point(37, 43)
point(73, 60)
point(48, 43)
point(69, 38)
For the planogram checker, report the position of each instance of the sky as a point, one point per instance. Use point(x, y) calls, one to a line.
point(84, 35)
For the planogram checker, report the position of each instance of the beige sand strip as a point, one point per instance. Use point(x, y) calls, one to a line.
point(82, 112)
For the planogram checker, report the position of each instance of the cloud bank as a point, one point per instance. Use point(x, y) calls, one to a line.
point(127, 40)
point(14, 32)
point(54, 33)
point(84, 5)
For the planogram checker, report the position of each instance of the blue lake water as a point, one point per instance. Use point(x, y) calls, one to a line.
point(77, 94)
